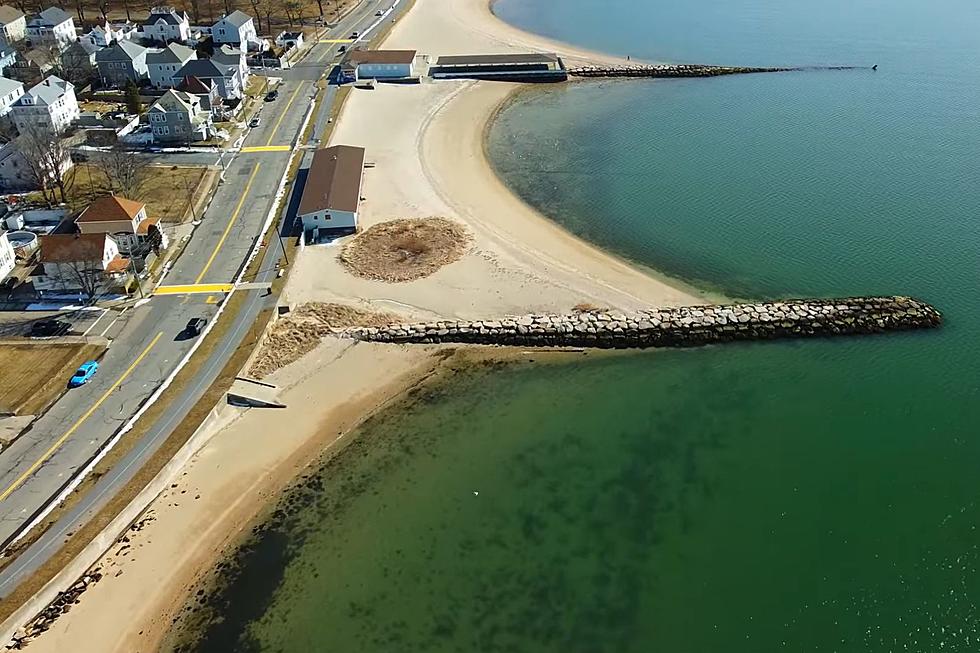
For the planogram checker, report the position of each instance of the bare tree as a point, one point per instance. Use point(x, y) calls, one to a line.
point(123, 173)
point(87, 276)
point(48, 156)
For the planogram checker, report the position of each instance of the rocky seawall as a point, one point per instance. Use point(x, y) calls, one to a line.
point(687, 70)
point(684, 326)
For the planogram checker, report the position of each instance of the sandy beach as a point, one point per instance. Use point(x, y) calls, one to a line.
point(427, 144)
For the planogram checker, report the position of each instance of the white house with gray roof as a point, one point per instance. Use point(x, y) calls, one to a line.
point(13, 24)
point(167, 24)
point(53, 25)
point(179, 117)
point(122, 62)
point(50, 105)
point(107, 33)
point(226, 77)
point(232, 56)
point(164, 64)
point(10, 92)
point(236, 28)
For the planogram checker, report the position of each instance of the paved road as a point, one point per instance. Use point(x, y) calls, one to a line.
point(147, 344)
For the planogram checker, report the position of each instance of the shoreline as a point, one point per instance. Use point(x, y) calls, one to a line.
point(431, 156)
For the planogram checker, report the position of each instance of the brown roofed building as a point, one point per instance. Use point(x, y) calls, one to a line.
point(81, 263)
point(378, 64)
point(332, 192)
point(125, 219)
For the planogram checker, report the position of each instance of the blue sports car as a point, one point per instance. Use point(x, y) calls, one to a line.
point(85, 372)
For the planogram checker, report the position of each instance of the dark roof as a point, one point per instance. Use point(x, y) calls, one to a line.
point(497, 59)
point(205, 69)
point(356, 57)
point(334, 180)
point(69, 248)
point(169, 15)
point(236, 18)
point(120, 51)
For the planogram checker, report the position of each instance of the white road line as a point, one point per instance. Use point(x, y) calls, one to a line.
point(105, 330)
point(92, 326)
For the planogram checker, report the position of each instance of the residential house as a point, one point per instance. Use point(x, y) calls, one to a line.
point(53, 25)
point(226, 78)
point(287, 40)
point(50, 105)
point(17, 174)
point(81, 263)
point(166, 24)
point(124, 219)
point(122, 62)
point(206, 91)
point(10, 92)
point(13, 24)
point(31, 66)
point(8, 57)
point(235, 57)
point(332, 192)
point(8, 260)
point(164, 64)
point(107, 33)
point(78, 62)
point(179, 117)
point(236, 28)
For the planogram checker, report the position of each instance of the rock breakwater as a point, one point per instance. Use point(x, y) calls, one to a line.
point(684, 326)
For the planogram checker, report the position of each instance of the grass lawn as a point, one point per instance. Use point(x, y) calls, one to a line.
point(167, 192)
point(36, 373)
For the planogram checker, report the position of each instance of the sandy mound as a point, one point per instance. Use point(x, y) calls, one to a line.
point(301, 330)
point(405, 250)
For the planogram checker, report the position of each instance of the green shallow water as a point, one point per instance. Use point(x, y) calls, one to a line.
point(806, 496)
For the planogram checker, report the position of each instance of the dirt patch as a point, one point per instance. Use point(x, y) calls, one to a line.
point(35, 374)
point(405, 250)
point(301, 331)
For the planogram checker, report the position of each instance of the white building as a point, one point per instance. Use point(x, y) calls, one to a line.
point(167, 24)
point(235, 57)
point(236, 28)
point(288, 40)
point(332, 192)
point(7, 257)
point(108, 33)
point(51, 104)
point(13, 24)
point(18, 175)
point(53, 25)
point(10, 92)
point(378, 64)
point(164, 64)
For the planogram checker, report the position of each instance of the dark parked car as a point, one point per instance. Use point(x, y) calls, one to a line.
point(48, 328)
point(195, 326)
point(271, 95)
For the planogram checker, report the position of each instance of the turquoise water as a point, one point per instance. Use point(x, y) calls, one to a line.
point(805, 496)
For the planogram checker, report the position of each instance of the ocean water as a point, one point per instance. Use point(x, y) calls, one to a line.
point(796, 496)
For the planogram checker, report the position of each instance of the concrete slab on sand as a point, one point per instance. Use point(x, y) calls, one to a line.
point(250, 393)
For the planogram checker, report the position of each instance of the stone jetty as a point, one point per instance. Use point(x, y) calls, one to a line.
point(683, 326)
point(687, 70)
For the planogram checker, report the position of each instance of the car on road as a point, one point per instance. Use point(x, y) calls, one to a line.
point(354, 35)
point(272, 95)
point(342, 49)
point(85, 372)
point(49, 328)
point(379, 12)
point(255, 122)
point(194, 326)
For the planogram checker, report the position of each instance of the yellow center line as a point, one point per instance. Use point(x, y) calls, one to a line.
point(74, 427)
point(266, 148)
point(283, 115)
point(231, 221)
point(194, 288)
